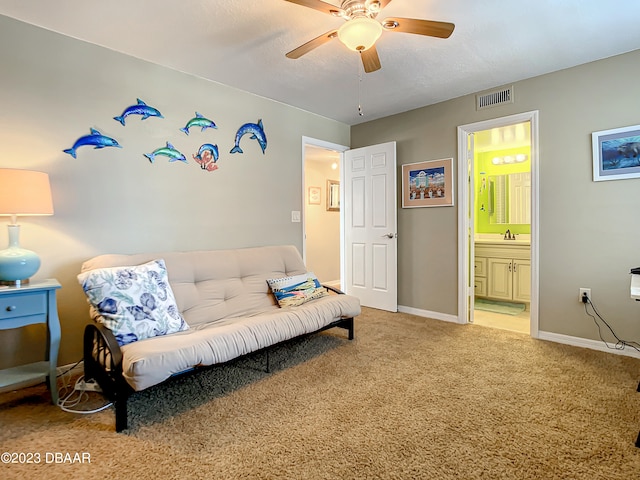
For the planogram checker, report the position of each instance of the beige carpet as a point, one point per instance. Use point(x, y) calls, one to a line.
point(410, 398)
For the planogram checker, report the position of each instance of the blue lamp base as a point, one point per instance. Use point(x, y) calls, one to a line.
point(17, 264)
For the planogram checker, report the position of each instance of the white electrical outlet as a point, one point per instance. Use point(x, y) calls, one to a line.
point(583, 291)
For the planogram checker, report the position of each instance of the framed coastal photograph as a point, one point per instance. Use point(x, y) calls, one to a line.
point(314, 195)
point(428, 184)
point(616, 153)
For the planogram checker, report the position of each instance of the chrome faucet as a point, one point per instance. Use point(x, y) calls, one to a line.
point(509, 236)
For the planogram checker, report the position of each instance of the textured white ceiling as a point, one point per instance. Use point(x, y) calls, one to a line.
point(243, 43)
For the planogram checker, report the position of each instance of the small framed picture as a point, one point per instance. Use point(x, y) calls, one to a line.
point(616, 153)
point(314, 195)
point(427, 184)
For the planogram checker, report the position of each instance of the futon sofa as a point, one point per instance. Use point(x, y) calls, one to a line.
point(157, 315)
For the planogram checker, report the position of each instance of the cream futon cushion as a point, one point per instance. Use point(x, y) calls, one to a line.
point(224, 298)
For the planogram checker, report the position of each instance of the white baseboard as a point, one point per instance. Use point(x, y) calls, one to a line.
point(429, 314)
point(548, 336)
point(586, 343)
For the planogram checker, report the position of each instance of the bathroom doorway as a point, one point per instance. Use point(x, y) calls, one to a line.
point(322, 225)
point(498, 181)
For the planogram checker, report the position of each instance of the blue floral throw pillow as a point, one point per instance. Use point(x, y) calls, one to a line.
point(296, 290)
point(134, 302)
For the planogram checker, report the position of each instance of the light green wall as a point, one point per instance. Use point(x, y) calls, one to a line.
point(53, 89)
point(589, 230)
point(484, 168)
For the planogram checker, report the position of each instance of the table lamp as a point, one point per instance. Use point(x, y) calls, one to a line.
point(24, 193)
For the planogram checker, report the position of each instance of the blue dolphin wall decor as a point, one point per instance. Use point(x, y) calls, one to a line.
point(140, 108)
point(257, 133)
point(96, 139)
point(207, 157)
point(168, 151)
point(198, 121)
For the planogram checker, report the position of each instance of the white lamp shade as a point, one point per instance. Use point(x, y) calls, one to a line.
point(360, 33)
point(24, 192)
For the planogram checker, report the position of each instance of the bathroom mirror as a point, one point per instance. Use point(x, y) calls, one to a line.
point(510, 198)
point(333, 195)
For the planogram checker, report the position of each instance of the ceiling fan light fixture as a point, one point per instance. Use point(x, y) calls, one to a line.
point(360, 33)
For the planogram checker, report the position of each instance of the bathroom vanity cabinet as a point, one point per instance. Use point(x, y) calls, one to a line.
point(503, 271)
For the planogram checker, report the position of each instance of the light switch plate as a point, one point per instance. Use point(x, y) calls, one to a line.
point(295, 216)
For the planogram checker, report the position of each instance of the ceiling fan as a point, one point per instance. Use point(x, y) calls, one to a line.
point(361, 29)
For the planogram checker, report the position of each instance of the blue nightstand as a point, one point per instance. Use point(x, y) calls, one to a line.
point(27, 305)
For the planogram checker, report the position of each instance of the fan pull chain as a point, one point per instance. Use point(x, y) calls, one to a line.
point(360, 87)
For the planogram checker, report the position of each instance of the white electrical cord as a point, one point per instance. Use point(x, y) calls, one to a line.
point(69, 401)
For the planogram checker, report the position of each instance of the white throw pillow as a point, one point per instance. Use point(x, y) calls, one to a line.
point(134, 302)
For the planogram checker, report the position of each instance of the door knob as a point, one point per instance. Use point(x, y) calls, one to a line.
point(390, 235)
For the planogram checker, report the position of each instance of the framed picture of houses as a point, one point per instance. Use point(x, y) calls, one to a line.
point(427, 184)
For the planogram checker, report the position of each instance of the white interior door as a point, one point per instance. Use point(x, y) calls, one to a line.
point(370, 235)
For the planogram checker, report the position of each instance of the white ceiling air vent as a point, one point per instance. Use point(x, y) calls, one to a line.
point(494, 98)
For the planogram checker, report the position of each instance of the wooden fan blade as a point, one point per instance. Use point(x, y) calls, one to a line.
point(370, 59)
point(311, 44)
point(318, 5)
point(384, 3)
point(420, 27)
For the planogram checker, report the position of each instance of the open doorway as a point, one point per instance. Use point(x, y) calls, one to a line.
point(499, 223)
point(367, 242)
point(501, 184)
point(322, 243)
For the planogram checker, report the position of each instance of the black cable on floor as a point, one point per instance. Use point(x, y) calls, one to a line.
point(70, 368)
point(620, 344)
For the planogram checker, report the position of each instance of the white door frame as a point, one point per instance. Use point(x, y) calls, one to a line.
point(465, 241)
point(338, 148)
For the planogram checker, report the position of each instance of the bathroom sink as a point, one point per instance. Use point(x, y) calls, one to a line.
point(497, 238)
